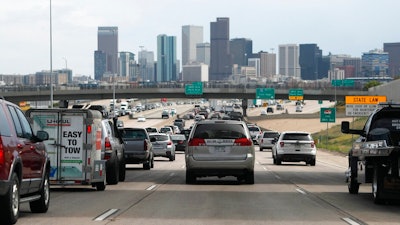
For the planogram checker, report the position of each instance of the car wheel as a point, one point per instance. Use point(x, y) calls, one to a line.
point(353, 184)
point(147, 165)
point(9, 203)
point(250, 177)
point(112, 171)
point(278, 160)
point(377, 184)
point(171, 157)
point(312, 162)
point(42, 204)
point(122, 169)
point(261, 149)
point(190, 178)
point(152, 162)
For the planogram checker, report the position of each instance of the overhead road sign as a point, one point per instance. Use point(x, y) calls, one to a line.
point(365, 99)
point(196, 88)
point(328, 115)
point(265, 93)
point(344, 83)
point(296, 94)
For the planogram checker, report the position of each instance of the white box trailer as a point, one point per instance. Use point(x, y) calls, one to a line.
point(74, 145)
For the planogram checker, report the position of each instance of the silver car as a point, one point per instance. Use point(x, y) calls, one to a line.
point(267, 139)
point(163, 145)
point(294, 146)
point(220, 148)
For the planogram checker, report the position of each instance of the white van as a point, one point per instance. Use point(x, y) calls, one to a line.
point(123, 108)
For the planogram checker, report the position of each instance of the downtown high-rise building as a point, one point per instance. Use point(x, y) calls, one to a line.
point(191, 36)
point(166, 59)
point(203, 53)
point(107, 52)
point(146, 66)
point(393, 49)
point(241, 49)
point(289, 60)
point(127, 66)
point(375, 63)
point(313, 65)
point(220, 57)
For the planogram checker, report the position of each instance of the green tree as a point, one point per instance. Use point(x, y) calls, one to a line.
point(372, 83)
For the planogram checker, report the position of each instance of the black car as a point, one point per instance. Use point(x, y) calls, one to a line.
point(236, 115)
point(180, 141)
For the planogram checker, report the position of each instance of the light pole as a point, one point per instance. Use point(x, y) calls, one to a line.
point(66, 63)
point(51, 61)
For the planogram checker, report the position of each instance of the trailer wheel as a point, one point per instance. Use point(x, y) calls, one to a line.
point(377, 184)
point(100, 186)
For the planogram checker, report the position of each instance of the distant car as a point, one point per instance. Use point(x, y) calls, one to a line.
point(165, 114)
point(180, 141)
point(236, 115)
point(120, 123)
point(167, 130)
point(267, 139)
point(141, 119)
point(294, 146)
point(163, 145)
point(220, 148)
point(199, 117)
point(280, 107)
point(254, 131)
point(299, 108)
point(151, 130)
point(263, 112)
point(270, 109)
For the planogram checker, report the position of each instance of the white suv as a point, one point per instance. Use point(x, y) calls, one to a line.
point(294, 146)
point(220, 148)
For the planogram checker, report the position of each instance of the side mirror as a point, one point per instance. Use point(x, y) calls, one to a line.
point(153, 139)
point(345, 127)
point(42, 135)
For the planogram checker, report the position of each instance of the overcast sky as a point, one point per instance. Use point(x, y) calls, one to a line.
point(337, 26)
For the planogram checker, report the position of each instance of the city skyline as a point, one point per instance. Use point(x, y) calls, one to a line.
point(339, 27)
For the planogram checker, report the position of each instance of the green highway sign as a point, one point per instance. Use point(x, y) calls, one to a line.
point(265, 93)
point(328, 115)
point(337, 83)
point(196, 88)
point(345, 83)
point(296, 94)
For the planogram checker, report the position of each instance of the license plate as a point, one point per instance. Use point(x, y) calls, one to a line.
point(218, 149)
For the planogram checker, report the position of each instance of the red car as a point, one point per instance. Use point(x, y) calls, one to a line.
point(24, 165)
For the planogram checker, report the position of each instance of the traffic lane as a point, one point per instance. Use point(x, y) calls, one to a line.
point(221, 201)
point(326, 184)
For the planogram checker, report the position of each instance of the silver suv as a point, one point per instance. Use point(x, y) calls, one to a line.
point(220, 148)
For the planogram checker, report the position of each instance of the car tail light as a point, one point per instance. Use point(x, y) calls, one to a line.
point(243, 142)
point(312, 144)
point(197, 142)
point(169, 143)
point(107, 144)
point(282, 144)
point(89, 129)
point(2, 160)
point(145, 145)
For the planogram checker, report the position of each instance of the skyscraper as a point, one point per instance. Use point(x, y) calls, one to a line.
point(203, 53)
point(191, 36)
point(221, 65)
point(146, 65)
point(375, 63)
point(310, 61)
point(394, 57)
point(289, 60)
point(166, 58)
point(241, 49)
point(107, 44)
point(127, 66)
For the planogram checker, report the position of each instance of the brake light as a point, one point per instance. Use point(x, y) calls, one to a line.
point(282, 144)
point(107, 144)
point(89, 129)
point(2, 160)
point(145, 146)
point(197, 142)
point(243, 142)
point(169, 143)
point(312, 144)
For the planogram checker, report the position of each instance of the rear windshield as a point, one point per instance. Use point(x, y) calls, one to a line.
point(160, 137)
point(296, 137)
point(219, 131)
point(178, 137)
point(271, 135)
point(254, 129)
point(165, 129)
point(133, 134)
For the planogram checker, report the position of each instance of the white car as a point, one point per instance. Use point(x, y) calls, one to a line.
point(267, 139)
point(141, 119)
point(254, 132)
point(294, 146)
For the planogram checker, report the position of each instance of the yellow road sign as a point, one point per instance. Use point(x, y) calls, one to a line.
point(365, 99)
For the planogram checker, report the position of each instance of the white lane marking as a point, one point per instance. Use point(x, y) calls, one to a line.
point(301, 191)
point(106, 214)
point(172, 174)
point(277, 177)
point(350, 221)
point(151, 187)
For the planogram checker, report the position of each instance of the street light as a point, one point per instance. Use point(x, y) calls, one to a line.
point(51, 61)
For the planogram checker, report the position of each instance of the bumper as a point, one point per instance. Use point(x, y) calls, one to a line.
point(136, 157)
point(295, 157)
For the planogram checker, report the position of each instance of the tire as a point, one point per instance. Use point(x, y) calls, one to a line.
point(152, 162)
point(172, 158)
point(9, 203)
point(112, 171)
point(377, 184)
point(122, 170)
point(147, 165)
point(42, 204)
point(190, 178)
point(312, 162)
point(353, 184)
point(100, 186)
point(274, 160)
point(261, 149)
point(250, 177)
point(278, 160)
